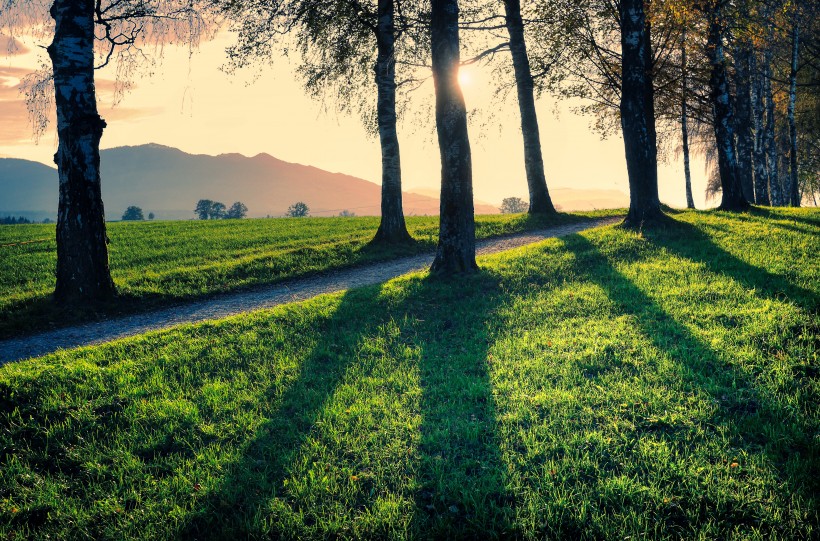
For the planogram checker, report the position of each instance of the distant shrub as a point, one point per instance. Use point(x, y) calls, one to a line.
point(237, 211)
point(215, 210)
point(150, 215)
point(298, 210)
point(133, 214)
point(513, 205)
point(347, 214)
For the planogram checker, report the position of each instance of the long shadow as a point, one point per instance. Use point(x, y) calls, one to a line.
point(768, 214)
point(687, 241)
point(753, 420)
point(461, 477)
point(456, 467)
point(229, 511)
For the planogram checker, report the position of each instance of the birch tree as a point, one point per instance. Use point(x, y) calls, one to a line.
point(88, 34)
point(455, 253)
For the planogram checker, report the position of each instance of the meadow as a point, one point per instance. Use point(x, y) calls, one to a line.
point(159, 263)
point(605, 385)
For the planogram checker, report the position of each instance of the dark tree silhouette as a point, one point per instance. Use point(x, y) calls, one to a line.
point(638, 115)
point(540, 201)
point(133, 213)
point(456, 245)
point(298, 210)
point(82, 249)
point(237, 211)
point(724, 122)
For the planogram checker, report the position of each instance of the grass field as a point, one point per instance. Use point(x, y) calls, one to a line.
point(159, 263)
point(607, 385)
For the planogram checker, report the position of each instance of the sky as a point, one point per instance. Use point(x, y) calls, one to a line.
point(186, 101)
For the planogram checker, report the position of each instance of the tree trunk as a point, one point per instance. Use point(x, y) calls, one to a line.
point(761, 171)
point(392, 229)
point(456, 245)
point(540, 201)
point(638, 115)
point(723, 118)
point(82, 252)
point(684, 121)
point(794, 190)
point(743, 119)
point(775, 192)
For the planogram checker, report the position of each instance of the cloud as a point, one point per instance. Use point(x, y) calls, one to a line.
point(16, 128)
point(10, 46)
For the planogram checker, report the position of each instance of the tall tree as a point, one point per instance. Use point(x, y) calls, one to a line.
point(638, 115)
point(794, 189)
point(82, 251)
point(392, 228)
point(540, 201)
point(760, 161)
point(684, 121)
point(743, 118)
point(456, 245)
point(733, 198)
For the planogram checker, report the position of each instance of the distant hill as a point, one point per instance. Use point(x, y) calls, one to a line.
point(566, 199)
point(169, 182)
point(27, 189)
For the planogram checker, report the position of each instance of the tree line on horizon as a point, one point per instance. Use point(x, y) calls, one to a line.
point(737, 79)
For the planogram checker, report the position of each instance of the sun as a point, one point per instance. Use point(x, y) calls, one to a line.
point(465, 77)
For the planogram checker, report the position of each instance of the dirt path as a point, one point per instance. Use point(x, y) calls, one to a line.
point(247, 301)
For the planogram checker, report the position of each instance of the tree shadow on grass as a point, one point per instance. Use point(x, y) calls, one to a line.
point(755, 421)
point(449, 480)
point(231, 510)
point(461, 480)
point(687, 241)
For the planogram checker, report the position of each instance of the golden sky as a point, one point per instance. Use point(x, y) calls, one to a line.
point(188, 103)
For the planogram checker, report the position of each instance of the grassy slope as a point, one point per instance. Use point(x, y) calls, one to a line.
point(158, 263)
point(598, 386)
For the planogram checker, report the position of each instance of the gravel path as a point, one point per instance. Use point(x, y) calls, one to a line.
point(231, 304)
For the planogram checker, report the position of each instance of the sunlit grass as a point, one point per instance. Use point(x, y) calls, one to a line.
point(158, 263)
point(602, 386)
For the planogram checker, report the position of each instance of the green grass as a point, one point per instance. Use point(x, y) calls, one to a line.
point(160, 263)
point(607, 385)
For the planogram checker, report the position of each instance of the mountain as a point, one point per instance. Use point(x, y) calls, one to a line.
point(169, 182)
point(27, 189)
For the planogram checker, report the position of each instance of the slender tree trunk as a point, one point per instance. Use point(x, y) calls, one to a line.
point(761, 171)
point(456, 245)
point(684, 121)
point(540, 201)
point(82, 252)
point(392, 228)
point(794, 190)
point(743, 119)
point(775, 192)
point(723, 118)
point(638, 115)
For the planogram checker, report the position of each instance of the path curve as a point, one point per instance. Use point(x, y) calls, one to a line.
point(222, 306)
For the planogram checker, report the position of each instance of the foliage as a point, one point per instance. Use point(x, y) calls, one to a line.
point(133, 213)
point(347, 214)
point(160, 263)
point(608, 385)
point(513, 205)
point(237, 211)
point(214, 210)
point(151, 216)
point(298, 210)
